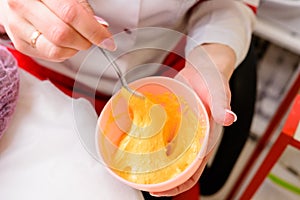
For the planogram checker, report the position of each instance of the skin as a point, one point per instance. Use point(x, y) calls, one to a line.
point(212, 65)
point(74, 28)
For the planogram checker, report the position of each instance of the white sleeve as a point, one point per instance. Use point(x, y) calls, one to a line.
point(226, 22)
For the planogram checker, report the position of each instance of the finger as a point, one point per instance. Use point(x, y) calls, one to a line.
point(213, 91)
point(74, 14)
point(220, 96)
point(48, 51)
point(21, 33)
point(53, 28)
point(186, 185)
point(204, 77)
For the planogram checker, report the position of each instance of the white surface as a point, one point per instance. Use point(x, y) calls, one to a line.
point(282, 13)
point(41, 156)
point(277, 35)
point(271, 190)
point(279, 22)
point(276, 71)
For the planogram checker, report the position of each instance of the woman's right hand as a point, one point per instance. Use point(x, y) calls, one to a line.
point(66, 27)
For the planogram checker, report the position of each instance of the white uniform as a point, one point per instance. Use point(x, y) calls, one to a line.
point(223, 21)
point(145, 30)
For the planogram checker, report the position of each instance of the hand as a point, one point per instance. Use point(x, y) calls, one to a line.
point(66, 27)
point(187, 185)
point(208, 70)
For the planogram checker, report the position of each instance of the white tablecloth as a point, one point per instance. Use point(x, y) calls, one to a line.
point(41, 156)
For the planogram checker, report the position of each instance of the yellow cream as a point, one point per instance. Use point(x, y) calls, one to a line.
point(164, 139)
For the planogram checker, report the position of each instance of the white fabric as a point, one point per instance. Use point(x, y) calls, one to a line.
point(224, 22)
point(41, 156)
point(227, 22)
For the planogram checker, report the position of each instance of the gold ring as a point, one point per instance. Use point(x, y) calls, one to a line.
point(35, 35)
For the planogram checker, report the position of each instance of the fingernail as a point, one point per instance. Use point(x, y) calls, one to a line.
point(101, 21)
point(231, 113)
point(154, 195)
point(108, 44)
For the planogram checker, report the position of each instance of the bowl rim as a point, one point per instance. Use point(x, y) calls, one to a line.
point(180, 178)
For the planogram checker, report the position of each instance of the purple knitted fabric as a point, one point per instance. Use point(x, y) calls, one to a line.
point(9, 87)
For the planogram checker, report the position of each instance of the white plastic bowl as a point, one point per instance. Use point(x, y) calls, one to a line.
point(104, 144)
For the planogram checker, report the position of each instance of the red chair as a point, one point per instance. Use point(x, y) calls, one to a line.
point(285, 138)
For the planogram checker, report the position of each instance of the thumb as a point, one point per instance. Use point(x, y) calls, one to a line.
point(203, 76)
point(219, 99)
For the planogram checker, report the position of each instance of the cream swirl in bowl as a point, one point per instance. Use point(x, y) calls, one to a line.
point(154, 144)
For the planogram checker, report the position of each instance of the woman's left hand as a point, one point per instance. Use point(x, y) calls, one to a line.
point(207, 71)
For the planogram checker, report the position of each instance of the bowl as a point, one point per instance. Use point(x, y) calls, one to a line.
point(162, 153)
